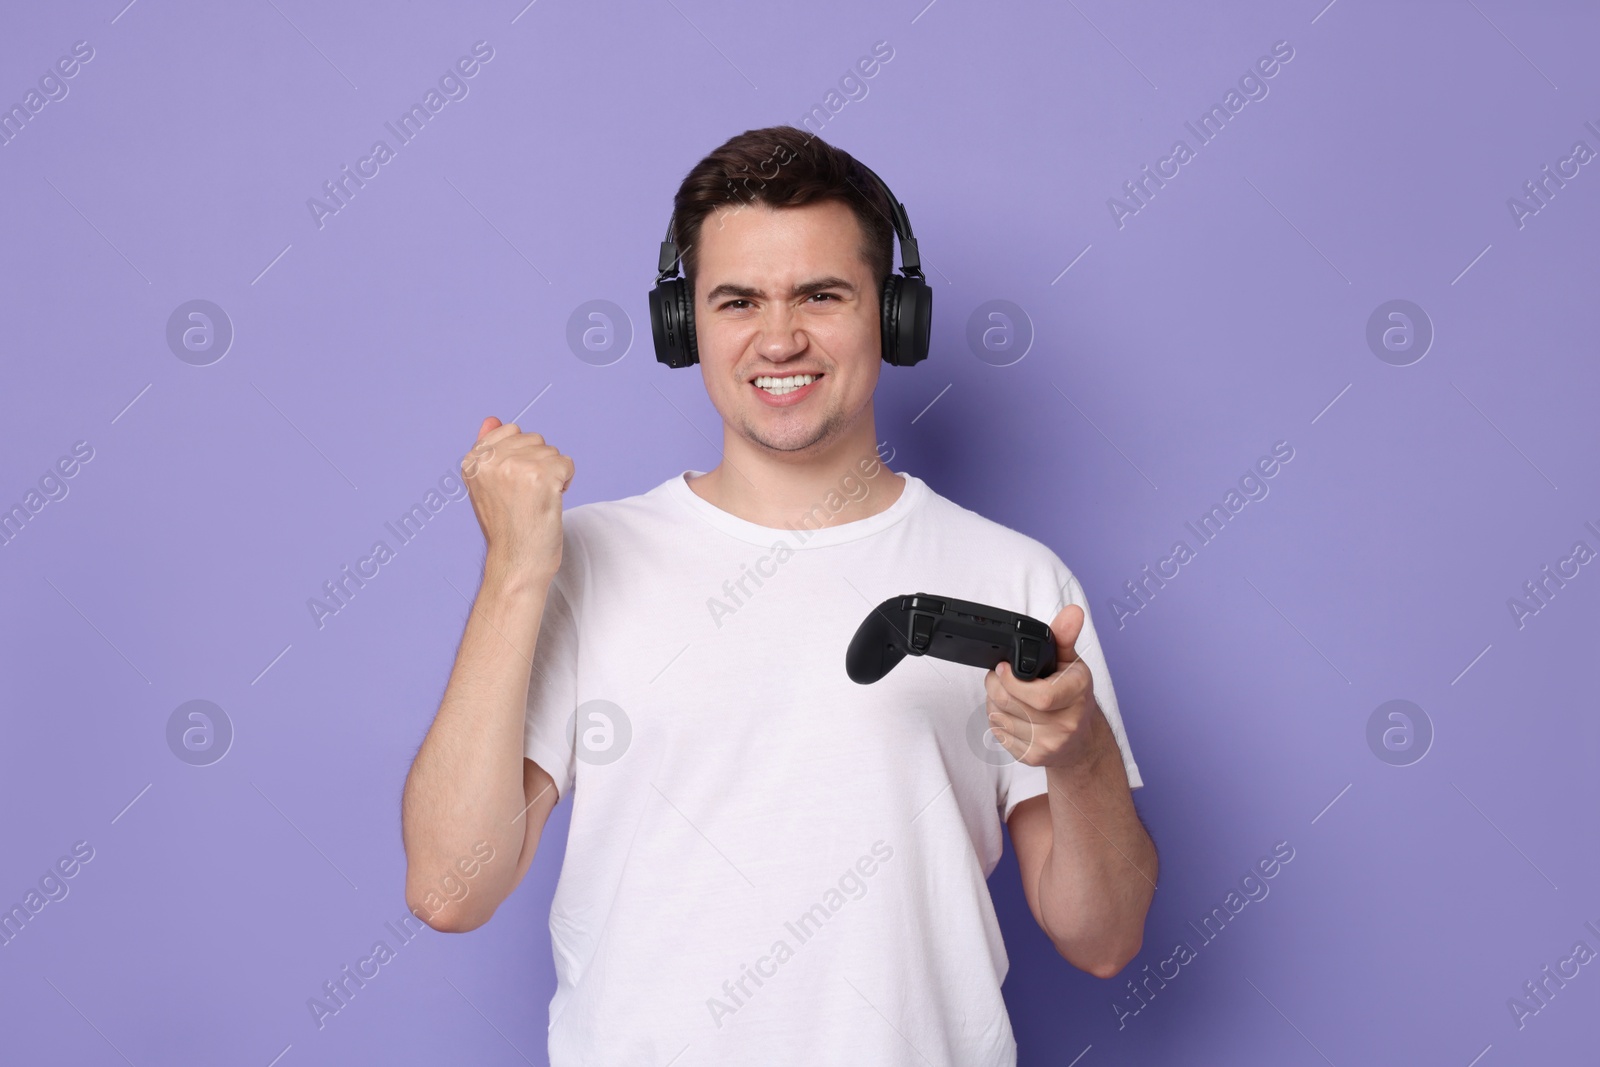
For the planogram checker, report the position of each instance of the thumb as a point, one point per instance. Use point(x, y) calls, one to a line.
point(1065, 628)
point(489, 423)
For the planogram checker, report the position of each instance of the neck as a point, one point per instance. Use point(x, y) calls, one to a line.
point(844, 481)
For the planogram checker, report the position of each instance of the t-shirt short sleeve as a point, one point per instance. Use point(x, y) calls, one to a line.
point(548, 737)
point(1020, 780)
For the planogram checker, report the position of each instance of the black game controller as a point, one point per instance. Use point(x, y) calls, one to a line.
point(956, 630)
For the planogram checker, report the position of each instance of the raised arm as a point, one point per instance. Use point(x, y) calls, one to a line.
point(473, 806)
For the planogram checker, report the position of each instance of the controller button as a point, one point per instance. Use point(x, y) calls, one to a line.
point(921, 631)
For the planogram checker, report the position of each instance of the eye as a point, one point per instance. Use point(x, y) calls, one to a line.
point(830, 296)
point(739, 300)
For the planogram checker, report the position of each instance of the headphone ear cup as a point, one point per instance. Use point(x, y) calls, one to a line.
point(672, 323)
point(889, 314)
point(907, 320)
point(686, 315)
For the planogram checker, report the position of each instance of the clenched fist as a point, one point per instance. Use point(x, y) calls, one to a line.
point(516, 481)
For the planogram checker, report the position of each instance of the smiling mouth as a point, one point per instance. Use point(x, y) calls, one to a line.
point(776, 386)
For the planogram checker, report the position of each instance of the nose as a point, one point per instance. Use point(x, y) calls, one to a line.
point(778, 338)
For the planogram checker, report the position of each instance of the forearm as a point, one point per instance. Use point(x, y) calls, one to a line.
point(465, 785)
point(1096, 884)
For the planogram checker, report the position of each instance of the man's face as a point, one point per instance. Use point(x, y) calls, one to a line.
point(782, 292)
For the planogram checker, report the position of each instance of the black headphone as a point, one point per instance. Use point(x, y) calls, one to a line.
point(906, 300)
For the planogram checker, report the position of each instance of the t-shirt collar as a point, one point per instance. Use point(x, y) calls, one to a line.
point(910, 497)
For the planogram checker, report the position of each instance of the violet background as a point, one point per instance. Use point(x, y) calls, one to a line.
point(1228, 314)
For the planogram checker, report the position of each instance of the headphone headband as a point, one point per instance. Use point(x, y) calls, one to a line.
point(910, 259)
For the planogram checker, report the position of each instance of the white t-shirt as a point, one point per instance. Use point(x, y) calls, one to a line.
point(767, 862)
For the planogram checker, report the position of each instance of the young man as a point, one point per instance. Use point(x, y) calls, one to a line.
point(767, 862)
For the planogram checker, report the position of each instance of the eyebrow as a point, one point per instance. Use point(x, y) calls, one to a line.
point(745, 292)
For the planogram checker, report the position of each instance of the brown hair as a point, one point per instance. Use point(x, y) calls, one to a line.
point(782, 166)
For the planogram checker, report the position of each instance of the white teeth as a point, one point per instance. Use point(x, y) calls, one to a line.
point(780, 386)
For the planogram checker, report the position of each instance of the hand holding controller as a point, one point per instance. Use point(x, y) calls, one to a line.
point(960, 631)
